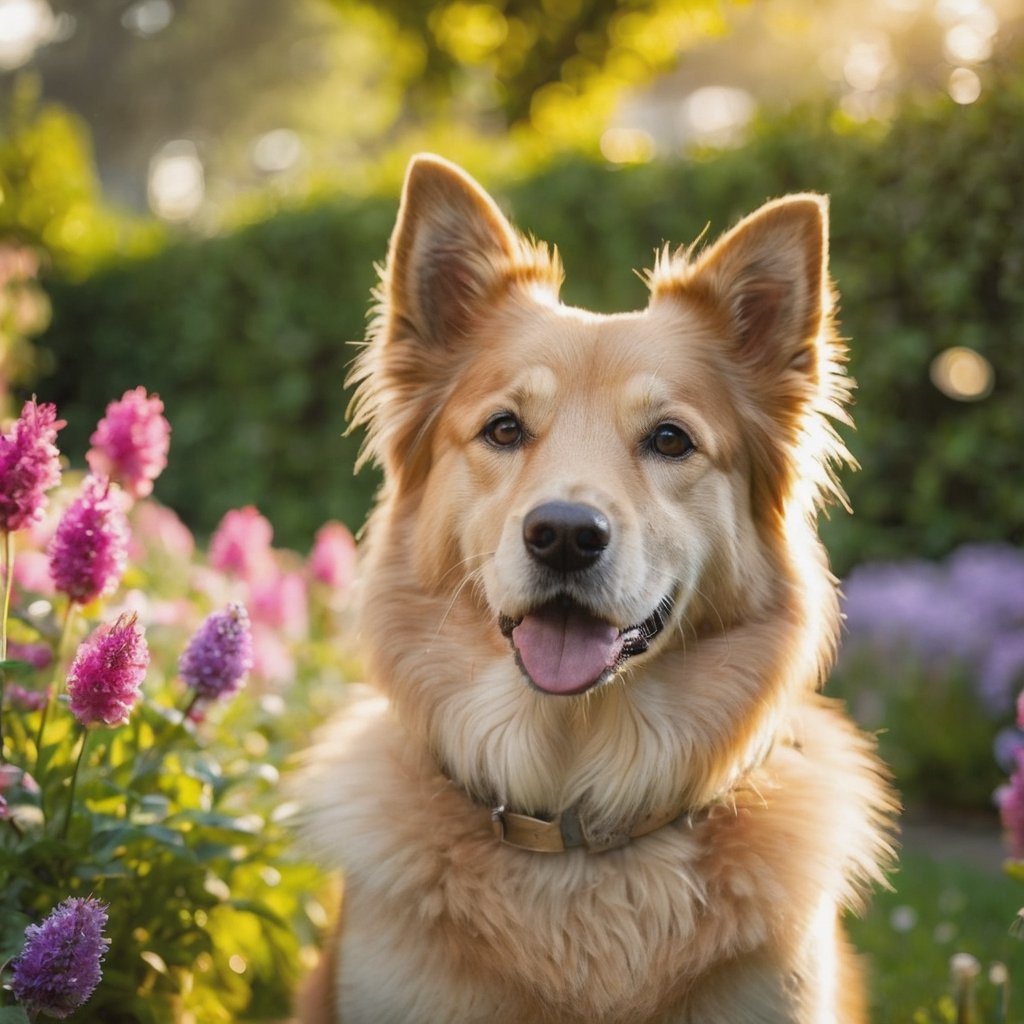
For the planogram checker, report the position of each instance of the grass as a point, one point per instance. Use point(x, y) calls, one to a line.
point(936, 909)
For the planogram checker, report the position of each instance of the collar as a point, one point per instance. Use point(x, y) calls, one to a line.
point(565, 831)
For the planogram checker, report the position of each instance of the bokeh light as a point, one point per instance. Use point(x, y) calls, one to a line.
point(176, 181)
point(963, 374)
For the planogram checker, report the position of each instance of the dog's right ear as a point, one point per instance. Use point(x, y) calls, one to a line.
point(452, 250)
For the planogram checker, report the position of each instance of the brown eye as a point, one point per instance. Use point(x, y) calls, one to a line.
point(671, 442)
point(503, 431)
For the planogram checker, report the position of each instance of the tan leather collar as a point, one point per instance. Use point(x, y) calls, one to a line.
point(565, 832)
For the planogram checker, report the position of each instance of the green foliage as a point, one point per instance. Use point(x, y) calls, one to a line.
point(244, 336)
point(937, 907)
point(49, 194)
point(941, 756)
point(557, 67)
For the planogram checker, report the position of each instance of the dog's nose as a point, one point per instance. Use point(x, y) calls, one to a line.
point(566, 536)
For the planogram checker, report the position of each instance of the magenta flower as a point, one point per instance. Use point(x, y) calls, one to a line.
point(219, 654)
point(131, 442)
point(59, 967)
point(241, 544)
point(29, 465)
point(333, 558)
point(89, 551)
point(107, 671)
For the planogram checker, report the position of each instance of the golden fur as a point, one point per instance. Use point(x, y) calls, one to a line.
point(731, 912)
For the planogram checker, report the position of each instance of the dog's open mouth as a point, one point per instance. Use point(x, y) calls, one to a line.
point(565, 649)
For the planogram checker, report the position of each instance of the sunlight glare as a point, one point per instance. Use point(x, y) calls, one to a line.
point(148, 17)
point(176, 184)
point(869, 61)
point(965, 43)
point(716, 115)
point(25, 25)
point(275, 151)
point(962, 374)
point(627, 146)
point(964, 86)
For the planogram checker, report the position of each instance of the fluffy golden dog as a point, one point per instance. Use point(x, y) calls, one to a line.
point(597, 783)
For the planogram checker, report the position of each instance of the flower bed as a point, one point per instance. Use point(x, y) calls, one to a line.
point(146, 872)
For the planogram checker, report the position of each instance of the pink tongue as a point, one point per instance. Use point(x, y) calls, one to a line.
point(565, 650)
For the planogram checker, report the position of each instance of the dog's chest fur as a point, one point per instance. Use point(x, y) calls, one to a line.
point(507, 935)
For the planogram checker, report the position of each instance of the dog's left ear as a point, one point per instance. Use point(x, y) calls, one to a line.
point(451, 250)
point(769, 277)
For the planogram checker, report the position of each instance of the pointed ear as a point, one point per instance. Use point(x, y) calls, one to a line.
point(769, 278)
point(765, 286)
point(450, 251)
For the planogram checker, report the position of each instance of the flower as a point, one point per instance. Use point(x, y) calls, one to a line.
point(280, 601)
point(1010, 799)
point(38, 655)
point(89, 551)
point(107, 671)
point(28, 700)
point(131, 442)
point(241, 544)
point(333, 558)
point(59, 967)
point(29, 465)
point(219, 654)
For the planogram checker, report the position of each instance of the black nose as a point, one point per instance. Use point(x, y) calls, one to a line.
point(566, 536)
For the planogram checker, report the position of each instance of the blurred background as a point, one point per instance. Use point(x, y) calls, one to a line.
point(193, 196)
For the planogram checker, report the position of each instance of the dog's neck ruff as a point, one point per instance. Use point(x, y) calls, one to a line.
point(565, 831)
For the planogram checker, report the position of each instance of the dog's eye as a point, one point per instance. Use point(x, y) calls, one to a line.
point(671, 442)
point(503, 431)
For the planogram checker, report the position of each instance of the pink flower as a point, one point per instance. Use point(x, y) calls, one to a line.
point(272, 658)
point(29, 465)
point(280, 601)
point(1010, 799)
point(28, 700)
point(32, 573)
point(39, 656)
point(89, 551)
point(108, 669)
point(333, 558)
point(130, 443)
point(158, 529)
point(241, 544)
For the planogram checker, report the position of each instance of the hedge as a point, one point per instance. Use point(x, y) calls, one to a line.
point(245, 336)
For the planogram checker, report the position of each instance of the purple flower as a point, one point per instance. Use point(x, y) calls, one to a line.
point(29, 465)
point(59, 968)
point(130, 443)
point(108, 669)
point(219, 654)
point(89, 551)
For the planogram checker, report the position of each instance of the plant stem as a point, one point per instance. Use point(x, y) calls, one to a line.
point(8, 567)
point(74, 781)
point(51, 693)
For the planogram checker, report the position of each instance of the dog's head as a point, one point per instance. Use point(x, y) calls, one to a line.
point(598, 488)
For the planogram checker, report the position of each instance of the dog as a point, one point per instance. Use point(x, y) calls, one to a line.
point(595, 781)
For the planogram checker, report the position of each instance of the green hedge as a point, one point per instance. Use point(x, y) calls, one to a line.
point(245, 336)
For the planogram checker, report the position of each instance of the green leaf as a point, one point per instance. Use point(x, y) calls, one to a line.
point(13, 1015)
point(17, 669)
